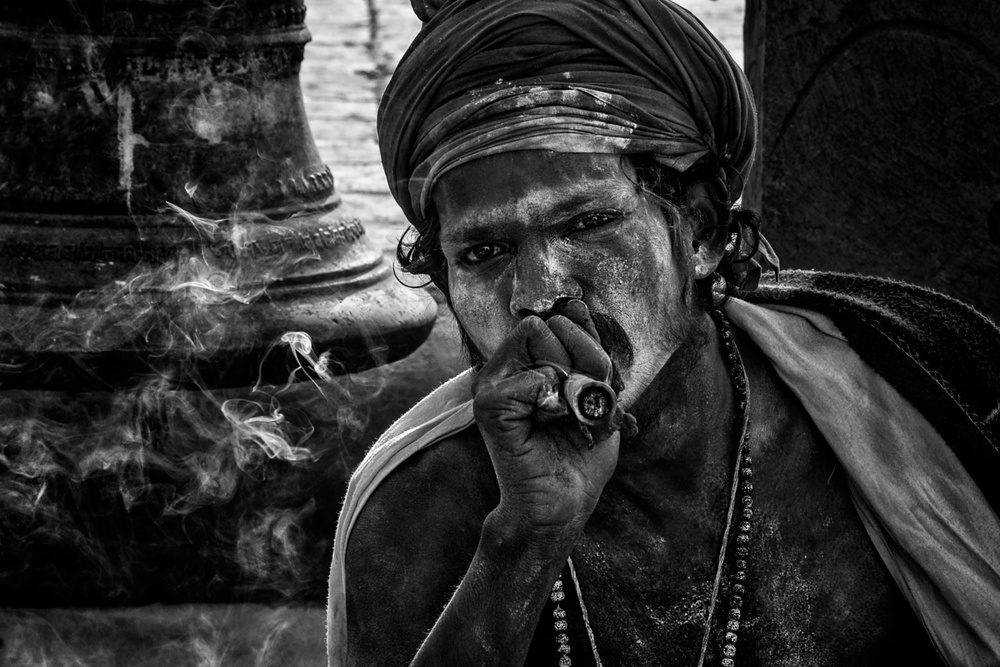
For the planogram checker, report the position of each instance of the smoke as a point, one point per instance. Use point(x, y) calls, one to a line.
point(187, 303)
point(158, 493)
point(170, 490)
point(259, 428)
point(301, 347)
point(192, 635)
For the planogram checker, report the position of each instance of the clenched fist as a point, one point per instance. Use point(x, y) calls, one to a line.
point(551, 468)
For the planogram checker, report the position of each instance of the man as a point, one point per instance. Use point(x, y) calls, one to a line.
point(797, 475)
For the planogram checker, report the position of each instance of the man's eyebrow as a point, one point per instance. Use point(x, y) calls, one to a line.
point(470, 233)
point(567, 207)
point(582, 202)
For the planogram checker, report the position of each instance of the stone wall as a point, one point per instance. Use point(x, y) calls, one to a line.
point(880, 138)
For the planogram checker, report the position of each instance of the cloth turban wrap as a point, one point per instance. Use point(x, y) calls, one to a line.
point(582, 76)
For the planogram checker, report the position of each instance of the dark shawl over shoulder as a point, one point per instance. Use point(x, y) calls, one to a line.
point(939, 353)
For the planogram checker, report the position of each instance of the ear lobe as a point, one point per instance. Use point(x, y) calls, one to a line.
point(707, 252)
point(706, 258)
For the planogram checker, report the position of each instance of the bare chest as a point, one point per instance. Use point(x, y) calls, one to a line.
point(816, 591)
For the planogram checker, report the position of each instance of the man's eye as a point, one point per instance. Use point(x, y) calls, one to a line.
point(482, 253)
point(593, 220)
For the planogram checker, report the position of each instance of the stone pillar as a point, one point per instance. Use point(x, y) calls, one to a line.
point(881, 138)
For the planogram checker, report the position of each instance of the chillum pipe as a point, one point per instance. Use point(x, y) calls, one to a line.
point(591, 401)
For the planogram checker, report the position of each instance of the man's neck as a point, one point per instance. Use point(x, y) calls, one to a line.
point(690, 397)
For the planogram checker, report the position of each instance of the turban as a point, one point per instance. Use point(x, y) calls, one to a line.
point(573, 76)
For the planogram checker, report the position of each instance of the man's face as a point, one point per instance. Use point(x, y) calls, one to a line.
point(522, 230)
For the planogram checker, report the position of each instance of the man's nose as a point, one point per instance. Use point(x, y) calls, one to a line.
point(540, 280)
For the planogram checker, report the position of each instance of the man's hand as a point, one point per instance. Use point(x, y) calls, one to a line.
point(551, 470)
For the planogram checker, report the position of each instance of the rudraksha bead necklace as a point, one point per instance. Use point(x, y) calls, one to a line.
point(742, 496)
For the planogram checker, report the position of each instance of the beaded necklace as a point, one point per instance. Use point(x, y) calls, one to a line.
point(740, 496)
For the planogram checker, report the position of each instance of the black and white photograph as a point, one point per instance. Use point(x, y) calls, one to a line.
point(499, 333)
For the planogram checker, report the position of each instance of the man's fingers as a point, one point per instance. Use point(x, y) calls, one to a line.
point(545, 348)
point(561, 343)
point(585, 354)
point(576, 311)
point(532, 394)
point(529, 345)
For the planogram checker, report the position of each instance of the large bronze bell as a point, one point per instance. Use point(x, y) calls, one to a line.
point(163, 204)
point(172, 253)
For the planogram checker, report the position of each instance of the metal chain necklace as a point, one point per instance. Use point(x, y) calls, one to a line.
point(741, 496)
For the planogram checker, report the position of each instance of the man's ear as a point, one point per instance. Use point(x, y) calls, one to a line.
point(707, 251)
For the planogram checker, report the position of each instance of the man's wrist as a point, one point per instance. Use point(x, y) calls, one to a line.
point(508, 538)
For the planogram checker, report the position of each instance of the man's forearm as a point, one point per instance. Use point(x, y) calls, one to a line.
point(491, 618)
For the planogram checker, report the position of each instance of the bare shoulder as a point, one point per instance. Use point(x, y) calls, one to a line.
point(412, 544)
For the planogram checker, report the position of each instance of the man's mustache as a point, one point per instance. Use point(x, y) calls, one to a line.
point(614, 340)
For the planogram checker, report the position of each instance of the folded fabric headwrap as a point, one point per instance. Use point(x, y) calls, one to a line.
point(586, 76)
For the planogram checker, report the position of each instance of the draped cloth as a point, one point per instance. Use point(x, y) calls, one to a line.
point(927, 517)
point(587, 76)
